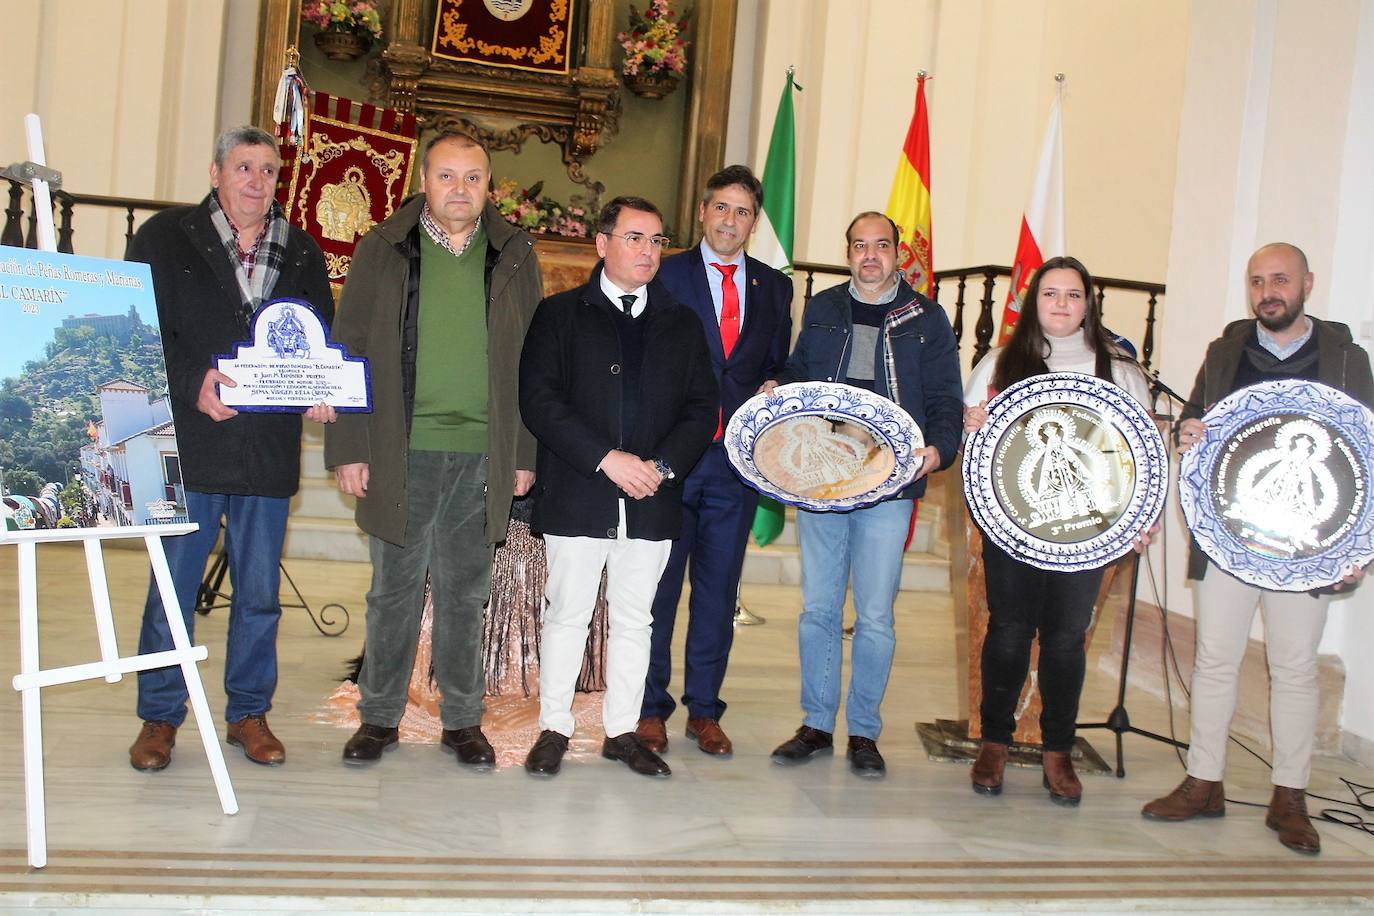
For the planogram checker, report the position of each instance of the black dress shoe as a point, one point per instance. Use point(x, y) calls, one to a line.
point(627, 749)
point(471, 746)
point(864, 758)
point(806, 743)
point(546, 757)
point(368, 743)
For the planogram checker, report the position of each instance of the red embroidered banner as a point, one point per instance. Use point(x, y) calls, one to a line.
point(521, 34)
point(352, 173)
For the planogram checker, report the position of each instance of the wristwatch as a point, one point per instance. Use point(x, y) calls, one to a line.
point(665, 470)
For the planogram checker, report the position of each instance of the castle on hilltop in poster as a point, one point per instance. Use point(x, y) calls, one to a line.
point(86, 434)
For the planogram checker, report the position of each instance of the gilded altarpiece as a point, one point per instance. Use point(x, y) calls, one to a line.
point(506, 71)
point(520, 34)
point(578, 109)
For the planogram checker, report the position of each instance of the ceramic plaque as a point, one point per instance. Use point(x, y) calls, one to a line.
point(823, 446)
point(1277, 491)
point(1067, 472)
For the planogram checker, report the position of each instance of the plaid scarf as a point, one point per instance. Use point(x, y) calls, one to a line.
point(268, 256)
point(893, 320)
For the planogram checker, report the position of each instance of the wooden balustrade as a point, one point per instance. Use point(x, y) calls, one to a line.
point(992, 298)
point(64, 205)
point(994, 277)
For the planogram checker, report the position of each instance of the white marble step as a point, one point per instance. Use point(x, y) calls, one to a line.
point(324, 539)
point(321, 498)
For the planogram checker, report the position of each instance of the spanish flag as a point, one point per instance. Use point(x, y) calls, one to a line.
point(909, 203)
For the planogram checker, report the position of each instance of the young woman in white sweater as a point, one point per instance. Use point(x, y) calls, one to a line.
point(1059, 330)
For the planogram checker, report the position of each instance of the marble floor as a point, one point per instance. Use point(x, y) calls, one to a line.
point(418, 834)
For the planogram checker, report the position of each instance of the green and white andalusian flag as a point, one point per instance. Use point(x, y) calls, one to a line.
point(772, 242)
point(772, 245)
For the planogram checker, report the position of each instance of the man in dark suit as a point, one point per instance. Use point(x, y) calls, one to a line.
point(745, 308)
point(615, 383)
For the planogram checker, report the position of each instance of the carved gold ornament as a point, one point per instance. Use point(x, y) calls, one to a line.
point(451, 32)
point(345, 209)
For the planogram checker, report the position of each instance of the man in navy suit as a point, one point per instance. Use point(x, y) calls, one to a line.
point(745, 307)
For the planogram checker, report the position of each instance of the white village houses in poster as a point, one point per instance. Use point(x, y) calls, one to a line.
point(86, 435)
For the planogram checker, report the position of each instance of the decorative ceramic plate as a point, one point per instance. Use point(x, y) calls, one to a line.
point(1277, 492)
point(823, 445)
point(1067, 472)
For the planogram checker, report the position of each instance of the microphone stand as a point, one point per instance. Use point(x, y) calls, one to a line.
point(1119, 720)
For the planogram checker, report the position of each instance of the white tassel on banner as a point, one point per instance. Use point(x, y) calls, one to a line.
point(288, 108)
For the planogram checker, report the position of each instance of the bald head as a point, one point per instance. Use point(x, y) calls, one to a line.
point(1284, 248)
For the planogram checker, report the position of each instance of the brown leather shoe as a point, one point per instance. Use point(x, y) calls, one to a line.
point(988, 768)
point(1288, 815)
point(259, 744)
point(652, 732)
point(152, 749)
point(1192, 798)
point(710, 737)
point(1060, 779)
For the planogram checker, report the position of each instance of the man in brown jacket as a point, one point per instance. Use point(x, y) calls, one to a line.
point(1281, 342)
point(438, 299)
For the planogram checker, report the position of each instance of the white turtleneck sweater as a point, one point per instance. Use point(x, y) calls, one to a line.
point(1067, 354)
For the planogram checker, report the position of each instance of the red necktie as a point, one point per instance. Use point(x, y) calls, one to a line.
point(729, 307)
point(729, 318)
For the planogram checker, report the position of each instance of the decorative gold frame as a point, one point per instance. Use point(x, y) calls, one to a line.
point(578, 111)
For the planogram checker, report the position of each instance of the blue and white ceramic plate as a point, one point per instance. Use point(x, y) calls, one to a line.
point(1067, 472)
point(823, 446)
point(1278, 491)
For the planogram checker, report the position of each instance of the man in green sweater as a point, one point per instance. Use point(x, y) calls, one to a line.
point(438, 298)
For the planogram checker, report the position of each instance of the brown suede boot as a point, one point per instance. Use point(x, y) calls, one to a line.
point(1192, 798)
point(988, 768)
point(1060, 779)
point(1288, 815)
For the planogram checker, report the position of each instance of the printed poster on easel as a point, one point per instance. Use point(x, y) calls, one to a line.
point(86, 434)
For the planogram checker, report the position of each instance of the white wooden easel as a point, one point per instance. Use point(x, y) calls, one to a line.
point(32, 678)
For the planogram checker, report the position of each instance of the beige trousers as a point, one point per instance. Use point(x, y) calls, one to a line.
point(1293, 623)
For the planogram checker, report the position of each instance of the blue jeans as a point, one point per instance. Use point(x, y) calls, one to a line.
point(255, 527)
point(867, 543)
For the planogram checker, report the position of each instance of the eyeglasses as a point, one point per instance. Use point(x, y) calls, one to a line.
point(637, 240)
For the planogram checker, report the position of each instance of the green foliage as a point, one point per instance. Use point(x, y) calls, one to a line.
point(45, 410)
point(71, 498)
point(20, 482)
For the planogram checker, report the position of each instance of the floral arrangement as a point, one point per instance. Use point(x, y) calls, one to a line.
point(357, 16)
point(531, 211)
point(654, 44)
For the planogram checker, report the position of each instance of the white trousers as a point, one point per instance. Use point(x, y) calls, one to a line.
point(1293, 623)
point(633, 568)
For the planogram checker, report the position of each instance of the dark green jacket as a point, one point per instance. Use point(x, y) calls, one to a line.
point(377, 318)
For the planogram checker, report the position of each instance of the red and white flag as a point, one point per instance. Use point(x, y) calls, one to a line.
point(1042, 225)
